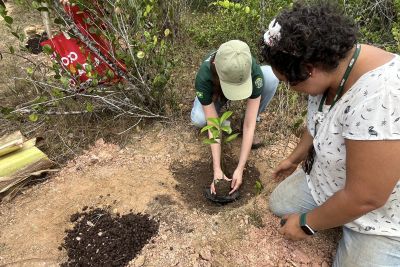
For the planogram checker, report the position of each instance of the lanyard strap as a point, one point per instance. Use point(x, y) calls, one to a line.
point(339, 91)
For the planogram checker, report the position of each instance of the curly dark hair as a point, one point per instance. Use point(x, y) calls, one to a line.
point(317, 34)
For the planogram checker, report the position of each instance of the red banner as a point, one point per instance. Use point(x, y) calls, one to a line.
point(75, 56)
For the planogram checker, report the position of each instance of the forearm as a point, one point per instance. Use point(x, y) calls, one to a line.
point(210, 112)
point(249, 127)
point(216, 157)
point(247, 140)
point(338, 210)
point(302, 148)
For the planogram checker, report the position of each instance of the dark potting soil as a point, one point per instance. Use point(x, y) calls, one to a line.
point(33, 43)
point(194, 178)
point(222, 187)
point(101, 239)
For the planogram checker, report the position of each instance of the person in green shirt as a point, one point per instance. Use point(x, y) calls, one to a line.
point(231, 73)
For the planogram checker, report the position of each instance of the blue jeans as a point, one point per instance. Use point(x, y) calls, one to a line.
point(270, 84)
point(292, 195)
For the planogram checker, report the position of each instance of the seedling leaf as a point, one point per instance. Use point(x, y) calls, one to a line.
point(209, 141)
point(214, 121)
point(227, 129)
point(206, 128)
point(225, 116)
point(231, 137)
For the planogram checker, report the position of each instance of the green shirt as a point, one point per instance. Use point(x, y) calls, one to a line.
point(204, 82)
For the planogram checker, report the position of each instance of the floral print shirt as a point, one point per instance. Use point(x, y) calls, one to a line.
point(369, 110)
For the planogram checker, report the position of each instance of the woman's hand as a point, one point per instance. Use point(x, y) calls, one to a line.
point(284, 169)
point(64, 2)
point(237, 180)
point(217, 176)
point(291, 229)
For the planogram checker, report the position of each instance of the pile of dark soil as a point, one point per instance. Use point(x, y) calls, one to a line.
point(33, 43)
point(197, 176)
point(100, 239)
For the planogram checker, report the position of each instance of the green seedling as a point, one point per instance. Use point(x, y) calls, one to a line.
point(219, 133)
point(258, 187)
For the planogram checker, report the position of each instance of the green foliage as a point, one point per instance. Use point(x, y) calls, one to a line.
point(141, 33)
point(217, 128)
point(258, 187)
point(9, 23)
point(224, 21)
point(377, 21)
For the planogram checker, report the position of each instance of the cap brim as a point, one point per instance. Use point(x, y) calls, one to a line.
point(237, 92)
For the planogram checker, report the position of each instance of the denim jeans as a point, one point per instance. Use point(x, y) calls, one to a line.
point(292, 195)
point(270, 84)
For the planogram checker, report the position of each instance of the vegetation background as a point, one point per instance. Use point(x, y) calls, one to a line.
point(162, 44)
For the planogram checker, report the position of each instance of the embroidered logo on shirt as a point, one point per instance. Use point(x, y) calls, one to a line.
point(258, 83)
point(199, 94)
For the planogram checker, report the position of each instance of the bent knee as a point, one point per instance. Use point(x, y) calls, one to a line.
point(276, 204)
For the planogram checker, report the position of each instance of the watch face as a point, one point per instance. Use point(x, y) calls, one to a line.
point(307, 229)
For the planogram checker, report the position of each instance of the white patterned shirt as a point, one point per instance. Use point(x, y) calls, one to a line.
point(369, 110)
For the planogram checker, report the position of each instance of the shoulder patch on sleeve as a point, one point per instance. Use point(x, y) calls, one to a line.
point(199, 94)
point(259, 82)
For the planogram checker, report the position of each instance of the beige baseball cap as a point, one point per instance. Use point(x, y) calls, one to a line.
point(233, 64)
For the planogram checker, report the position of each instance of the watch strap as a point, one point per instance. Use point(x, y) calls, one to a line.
point(304, 226)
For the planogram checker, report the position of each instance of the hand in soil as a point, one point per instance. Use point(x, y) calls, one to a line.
point(291, 229)
point(222, 187)
point(237, 180)
point(217, 178)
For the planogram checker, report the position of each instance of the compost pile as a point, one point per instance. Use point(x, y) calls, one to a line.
point(101, 239)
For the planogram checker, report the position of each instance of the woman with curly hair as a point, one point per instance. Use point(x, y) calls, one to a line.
point(351, 147)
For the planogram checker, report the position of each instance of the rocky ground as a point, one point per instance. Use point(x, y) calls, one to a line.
point(139, 179)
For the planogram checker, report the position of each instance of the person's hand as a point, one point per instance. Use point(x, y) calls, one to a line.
point(237, 180)
point(64, 2)
point(217, 175)
point(284, 169)
point(291, 229)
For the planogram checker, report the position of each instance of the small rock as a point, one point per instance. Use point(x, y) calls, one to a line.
point(74, 217)
point(90, 223)
point(246, 219)
point(94, 159)
point(78, 238)
point(324, 264)
point(205, 254)
point(30, 30)
point(139, 261)
point(100, 233)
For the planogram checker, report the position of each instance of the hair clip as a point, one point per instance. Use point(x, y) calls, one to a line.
point(273, 34)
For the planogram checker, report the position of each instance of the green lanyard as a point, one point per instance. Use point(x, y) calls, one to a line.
point(339, 91)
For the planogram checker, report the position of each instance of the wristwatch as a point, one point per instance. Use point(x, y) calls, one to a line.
point(304, 226)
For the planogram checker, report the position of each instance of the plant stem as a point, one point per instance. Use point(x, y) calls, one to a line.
point(221, 136)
